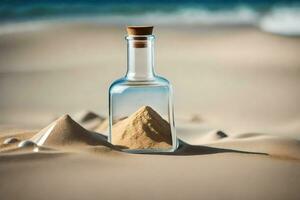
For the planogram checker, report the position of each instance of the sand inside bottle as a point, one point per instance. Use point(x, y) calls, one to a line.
point(144, 129)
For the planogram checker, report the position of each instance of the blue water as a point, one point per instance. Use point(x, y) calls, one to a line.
point(19, 10)
point(281, 16)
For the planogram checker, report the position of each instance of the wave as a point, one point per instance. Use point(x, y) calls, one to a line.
point(199, 16)
point(283, 21)
point(278, 20)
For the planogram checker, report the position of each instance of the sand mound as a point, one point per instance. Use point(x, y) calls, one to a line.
point(88, 119)
point(213, 136)
point(66, 132)
point(19, 146)
point(207, 138)
point(27, 143)
point(11, 140)
point(142, 130)
point(23, 135)
point(196, 119)
point(85, 116)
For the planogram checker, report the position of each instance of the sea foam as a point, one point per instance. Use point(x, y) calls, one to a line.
point(276, 19)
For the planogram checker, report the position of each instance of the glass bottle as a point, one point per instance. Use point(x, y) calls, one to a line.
point(141, 117)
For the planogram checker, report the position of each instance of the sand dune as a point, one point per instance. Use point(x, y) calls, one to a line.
point(62, 135)
point(11, 140)
point(19, 135)
point(88, 119)
point(85, 116)
point(67, 133)
point(26, 147)
point(209, 137)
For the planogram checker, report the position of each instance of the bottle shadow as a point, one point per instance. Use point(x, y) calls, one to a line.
point(185, 149)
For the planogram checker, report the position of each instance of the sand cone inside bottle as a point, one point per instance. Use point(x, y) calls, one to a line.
point(144, 129)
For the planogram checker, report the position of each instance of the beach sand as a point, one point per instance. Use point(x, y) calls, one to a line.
point(74, 167)
point(236, 108)
point(238, 78)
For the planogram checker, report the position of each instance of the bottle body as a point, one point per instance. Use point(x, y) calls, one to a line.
point(128, 97)
point(141, 116)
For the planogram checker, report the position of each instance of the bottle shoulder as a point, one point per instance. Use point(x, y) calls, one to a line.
point(119, 81)
point(156, 81)
point(162, 80)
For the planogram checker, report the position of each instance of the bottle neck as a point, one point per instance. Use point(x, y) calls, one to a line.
point(140, 50)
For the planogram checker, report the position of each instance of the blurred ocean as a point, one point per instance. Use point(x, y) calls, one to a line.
point(276, 16)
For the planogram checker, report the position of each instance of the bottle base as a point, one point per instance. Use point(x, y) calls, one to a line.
point(148, 151)
point(151, 151)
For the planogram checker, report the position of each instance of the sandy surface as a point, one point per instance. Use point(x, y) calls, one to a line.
point(237, 79)
point(236, 103)
point(67, 164)
point(216, 176)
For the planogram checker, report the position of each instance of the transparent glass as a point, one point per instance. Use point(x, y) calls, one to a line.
point(141, 116)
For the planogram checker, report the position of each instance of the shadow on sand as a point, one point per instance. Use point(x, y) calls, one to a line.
point(186, 149)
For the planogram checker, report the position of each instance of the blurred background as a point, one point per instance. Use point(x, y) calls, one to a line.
point(235, 64)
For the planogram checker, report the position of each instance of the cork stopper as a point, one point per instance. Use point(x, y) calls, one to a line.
point(140, 42)
point(139, 30)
